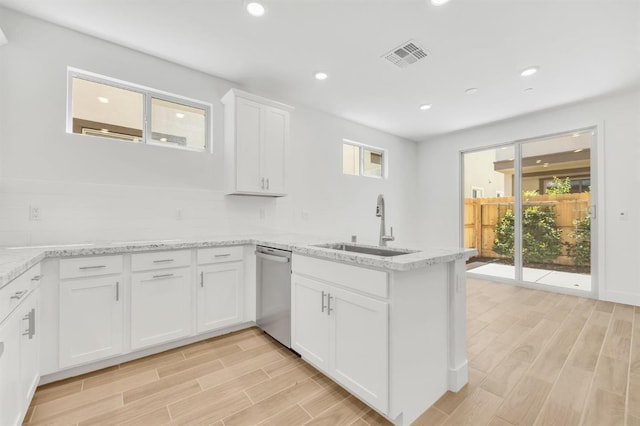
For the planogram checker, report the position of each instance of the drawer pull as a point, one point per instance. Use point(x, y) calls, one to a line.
point(82, 268)
point(117, 291)
point(202, 279)
point(222, 255)
point(162, 276)
point(36, 277)
point(163, 261)
point(31, 329)
point(19, 294)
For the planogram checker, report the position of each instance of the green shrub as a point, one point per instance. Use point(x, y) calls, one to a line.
point(559, 186)
point(581, 249)
point(541, 237)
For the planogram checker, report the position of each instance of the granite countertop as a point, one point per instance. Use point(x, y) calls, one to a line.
point(16, 260)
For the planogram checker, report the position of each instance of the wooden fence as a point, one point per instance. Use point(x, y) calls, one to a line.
point(482, 214)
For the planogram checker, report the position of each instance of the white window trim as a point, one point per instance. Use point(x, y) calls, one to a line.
point(385, 158)
point(147, 93)
point(479, 189)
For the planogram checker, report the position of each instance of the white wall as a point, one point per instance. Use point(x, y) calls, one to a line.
point(618, 121)
point(95, 189)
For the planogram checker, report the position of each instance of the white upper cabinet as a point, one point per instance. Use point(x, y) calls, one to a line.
point(256, 144)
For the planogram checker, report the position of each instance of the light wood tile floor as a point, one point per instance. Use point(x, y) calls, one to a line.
point(534, 357)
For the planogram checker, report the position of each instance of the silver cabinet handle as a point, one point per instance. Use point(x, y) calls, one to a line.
point(31, 328)
point(262, 183)
point(162, 276)
point(36, 277)
point(323, 305)
point(163, 261)
point(92, 267)
point(19, 294)
point(329, 308)
point(272, 258)
point(267, 183)
point(202, 279)
point(117, 291)
point(222, 255)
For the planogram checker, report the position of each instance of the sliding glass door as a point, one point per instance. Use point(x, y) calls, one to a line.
point(534, 227)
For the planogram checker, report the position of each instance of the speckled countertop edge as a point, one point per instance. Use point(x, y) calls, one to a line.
point(13, 263)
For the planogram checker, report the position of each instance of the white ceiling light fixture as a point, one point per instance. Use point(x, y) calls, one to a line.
point(103, 100)
point(255, 8)
point(321, 75)
point(179, 115)
point(529, 71)
point(439, 2)
point(425, 107)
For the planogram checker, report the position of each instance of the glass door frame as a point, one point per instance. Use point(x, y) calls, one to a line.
point(596, 216)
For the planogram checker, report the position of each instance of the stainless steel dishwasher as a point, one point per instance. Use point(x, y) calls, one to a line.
point(273, 279)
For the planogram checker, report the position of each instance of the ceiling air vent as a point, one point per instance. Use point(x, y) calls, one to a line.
point(406, 54)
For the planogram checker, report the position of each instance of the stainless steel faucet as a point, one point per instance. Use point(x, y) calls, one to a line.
point(380, 213)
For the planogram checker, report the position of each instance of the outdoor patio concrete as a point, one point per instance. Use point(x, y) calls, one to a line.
point(542, 276)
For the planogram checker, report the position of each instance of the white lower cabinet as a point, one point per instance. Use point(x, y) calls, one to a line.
point(160, 306)
point(91, 319)
point(310, 320)
point(345, 334)
point(28, 314)
point(10, 399)
point(19, 351)
point(219, 295)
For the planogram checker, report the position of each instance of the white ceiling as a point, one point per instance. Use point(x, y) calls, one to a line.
point(585, 48)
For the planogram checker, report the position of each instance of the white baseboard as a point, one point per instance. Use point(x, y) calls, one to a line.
point(458, 377)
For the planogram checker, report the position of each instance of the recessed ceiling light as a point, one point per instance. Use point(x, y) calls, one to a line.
point(103, 99)
point(439, 2)
point(255, 8)
point(471, 91)
point(529, 71)
point(179, 115)
point(578, 150)
point(425, 107)
point(538, 161)
point(321, 75)
point(545, 165)
point(163, 139)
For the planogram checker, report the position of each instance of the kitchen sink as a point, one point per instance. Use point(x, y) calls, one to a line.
point(376, 251)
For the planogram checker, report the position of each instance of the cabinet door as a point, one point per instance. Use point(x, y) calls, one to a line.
point(310, 321)
point(275, 141)
point(90, 320)
point(160, 306)
point(10, 399)
point(219, 295)
point(249, 131)
point(359, 346)
point(29, 347)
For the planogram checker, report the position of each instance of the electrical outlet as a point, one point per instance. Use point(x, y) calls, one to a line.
point(35, 213)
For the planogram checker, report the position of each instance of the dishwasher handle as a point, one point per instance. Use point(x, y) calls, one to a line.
point(272, 258)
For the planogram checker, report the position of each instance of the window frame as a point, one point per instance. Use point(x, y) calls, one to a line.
point(147, 94)
point(384, 159)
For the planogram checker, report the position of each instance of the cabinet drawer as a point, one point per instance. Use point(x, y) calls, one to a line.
point(160, 260)
point(365, 280)
point(90, 266)
point(219, 254)
point(13, 293)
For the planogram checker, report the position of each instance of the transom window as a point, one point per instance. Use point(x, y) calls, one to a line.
point(108, 108)
point(363, 160)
